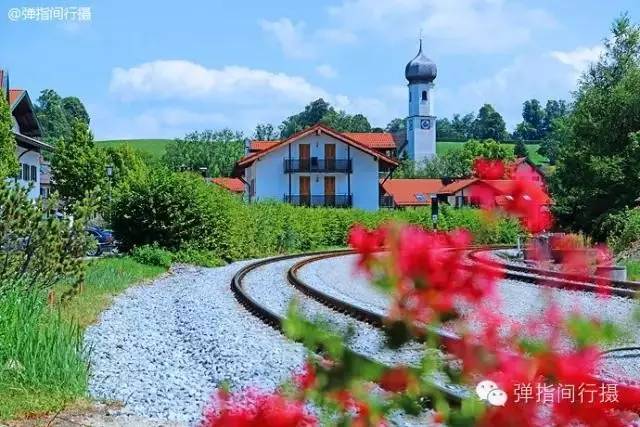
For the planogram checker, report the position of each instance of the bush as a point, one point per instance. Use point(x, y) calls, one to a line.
point(152, 255)
point(203, 224)
point(623, 229)
point(38, 249)
point(199, 257)
point(172, 209)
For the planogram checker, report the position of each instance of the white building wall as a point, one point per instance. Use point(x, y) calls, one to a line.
point(30, 158)
point(272, 183)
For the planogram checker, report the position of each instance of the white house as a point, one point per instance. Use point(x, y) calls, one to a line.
point(318, 167)
point(26, 130)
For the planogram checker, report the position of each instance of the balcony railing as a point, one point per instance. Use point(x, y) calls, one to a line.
point(317, 165)
point(330, 200)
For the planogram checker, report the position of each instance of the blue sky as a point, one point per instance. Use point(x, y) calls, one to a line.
point(148, 69)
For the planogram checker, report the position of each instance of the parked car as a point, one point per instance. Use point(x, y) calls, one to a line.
point(104, 241)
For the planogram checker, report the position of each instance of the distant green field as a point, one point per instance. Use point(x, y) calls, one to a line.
point(155, 147)
point(444, 146)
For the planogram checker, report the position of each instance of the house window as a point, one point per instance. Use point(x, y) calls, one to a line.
point(34, 174)
point(424, 95)
point(25, 172)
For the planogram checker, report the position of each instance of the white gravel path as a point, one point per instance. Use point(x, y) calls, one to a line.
point(163, 348)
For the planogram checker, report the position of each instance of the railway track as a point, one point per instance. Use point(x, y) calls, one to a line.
point(556, 279)
point(376, 319)
point(453, 394)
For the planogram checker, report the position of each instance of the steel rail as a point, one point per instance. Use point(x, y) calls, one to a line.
point(277, 322)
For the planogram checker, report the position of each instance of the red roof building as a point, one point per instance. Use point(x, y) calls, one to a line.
point(234, 185)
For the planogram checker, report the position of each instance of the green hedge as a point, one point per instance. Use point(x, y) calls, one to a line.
point(176, 211)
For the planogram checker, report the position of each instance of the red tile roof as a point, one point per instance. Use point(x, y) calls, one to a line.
point(376, 141)
point(456, 186)
point(411, 191)
point(373, 139)
point(232, 184)
point(258, 145)
point(15, 95)
point(318, 128)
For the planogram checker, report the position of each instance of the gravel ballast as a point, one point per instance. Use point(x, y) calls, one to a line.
point(162, 349)
point(520, 300)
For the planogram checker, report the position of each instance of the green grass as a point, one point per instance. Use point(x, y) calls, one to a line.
point(633, 269)
point(444, 146)
point(43, 364)
point(155, 147)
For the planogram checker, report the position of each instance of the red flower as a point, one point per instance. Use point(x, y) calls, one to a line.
point(366, 242)
point(397, 379)
point(306, 379)
point(488, 168)
point(529, 202)
point(255, 408)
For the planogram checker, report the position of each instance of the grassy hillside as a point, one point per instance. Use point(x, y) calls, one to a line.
point(155, 147)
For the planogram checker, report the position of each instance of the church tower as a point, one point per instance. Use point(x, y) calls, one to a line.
point(421, 122)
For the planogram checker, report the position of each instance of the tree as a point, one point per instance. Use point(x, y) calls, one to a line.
point(556, 135)
point(311, 115)
point(395, 125)
point(597, 168)
point(520, 150)
point(553, 110)
point(74, 110)
point(265, 132)
point(489, 124)
point(464, 126)
point(8, 159)
point(320, 111)
point(343, 122)
point(51, 116)
point(218, 151)
point(78, 166)
point(56, 115)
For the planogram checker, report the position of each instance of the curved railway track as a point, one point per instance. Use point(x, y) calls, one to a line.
point(376, 319)
point(556, 279)
point(275, 320)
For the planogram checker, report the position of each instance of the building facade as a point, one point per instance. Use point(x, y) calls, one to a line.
point(29, 149)
point(315, 167)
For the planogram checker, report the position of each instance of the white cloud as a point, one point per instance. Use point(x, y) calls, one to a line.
point(290, 36)
point(537, 76)
point(326, 71)
point(179, 79)
point(461, 25)
point(579, 59)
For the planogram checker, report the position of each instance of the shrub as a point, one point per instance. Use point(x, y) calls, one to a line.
point(201, 257)
point(172, 209)
point(152, 255)
point(38, 249)
point(623, 229)
point(180, 210)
